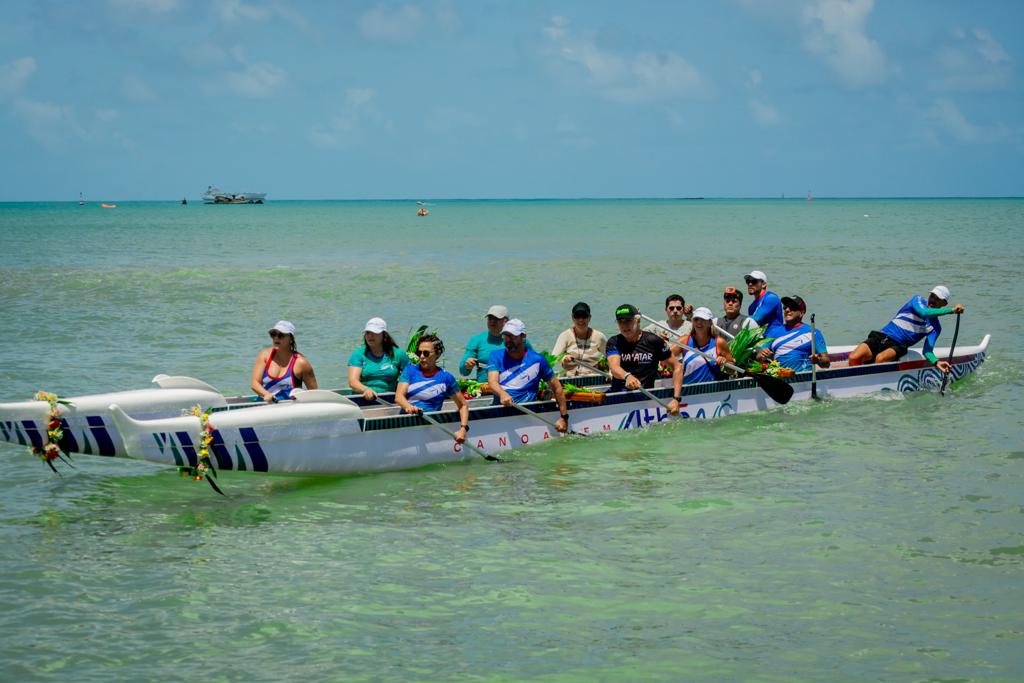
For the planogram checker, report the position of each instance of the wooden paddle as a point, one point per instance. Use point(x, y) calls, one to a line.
point(778, 390)
point(427, 418)
point(952, 347)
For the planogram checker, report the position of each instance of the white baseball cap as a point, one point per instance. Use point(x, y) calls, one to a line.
point(376, 325)
point(942, 292)
point(515, 327)
point(757, 275)
point(284, 327)
point(703, 312)
point(497, 311)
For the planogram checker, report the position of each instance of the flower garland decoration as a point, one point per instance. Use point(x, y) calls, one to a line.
point(204, 468)
point(52, 450)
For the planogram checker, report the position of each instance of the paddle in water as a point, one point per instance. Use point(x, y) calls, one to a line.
point(778, 390)
point(952, 347)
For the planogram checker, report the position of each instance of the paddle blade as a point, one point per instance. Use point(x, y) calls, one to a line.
point(777, 389)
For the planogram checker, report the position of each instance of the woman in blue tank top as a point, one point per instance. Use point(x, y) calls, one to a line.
point(281, 368)
point(697, 368)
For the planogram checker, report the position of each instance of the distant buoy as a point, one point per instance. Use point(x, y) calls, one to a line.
point(422, 212)
point(108, 206)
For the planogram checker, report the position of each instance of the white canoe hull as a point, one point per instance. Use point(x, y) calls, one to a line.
point(329, 437)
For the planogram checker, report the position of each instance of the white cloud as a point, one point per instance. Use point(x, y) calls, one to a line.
point(204, 55)
point(764, 114)
point(347, 128)
point(51, 125)
point(392, 25)
point(644, 76)
point(257, 80)
point(835, 30)
point(14, 75)
point(233, 11)
point(946, 118)
point(150, 6)
point(973, 62)
point(137, 90)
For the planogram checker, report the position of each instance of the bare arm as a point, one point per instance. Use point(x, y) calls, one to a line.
point(257, 376)
point(494, 381)
point(401, 399)
point(305, 373)
point(355, 383)
point(463, 406)
point(562, 424)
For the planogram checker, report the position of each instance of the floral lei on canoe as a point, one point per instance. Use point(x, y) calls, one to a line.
point(204, 468)
point(52, 449)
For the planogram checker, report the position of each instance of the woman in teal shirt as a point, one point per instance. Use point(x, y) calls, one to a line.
point(375, 366)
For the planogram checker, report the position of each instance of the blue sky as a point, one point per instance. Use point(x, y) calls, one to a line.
point(156, 99)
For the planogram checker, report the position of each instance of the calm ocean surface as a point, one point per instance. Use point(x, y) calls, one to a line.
point(879, 538)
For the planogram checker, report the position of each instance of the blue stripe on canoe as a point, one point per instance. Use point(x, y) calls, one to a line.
point(253, 448)
point(33, 433)
point(68, 443)
point(186, 446)
point(221, 452)
point(99, 432)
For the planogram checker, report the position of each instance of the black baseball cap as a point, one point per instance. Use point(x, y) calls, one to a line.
point(794, 303)
point(581, 310)
point(626, 312)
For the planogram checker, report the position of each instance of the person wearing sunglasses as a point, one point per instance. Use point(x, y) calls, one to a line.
point(423, 387)
point(733, 321)
point(916, 320)
point(697, 368)
point(766, 308)
point(376, 366)
point(677, 317)
point(580, 342)
point(515, 372)
point(281, 368)
point(792, 348)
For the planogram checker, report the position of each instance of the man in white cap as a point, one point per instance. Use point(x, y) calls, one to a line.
point(766, 308)
point(480, 347)
point(916, 320)
point(515, 371)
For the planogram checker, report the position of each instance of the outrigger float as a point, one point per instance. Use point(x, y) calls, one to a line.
point(326, 432)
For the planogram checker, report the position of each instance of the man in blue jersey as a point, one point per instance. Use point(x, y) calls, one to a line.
point(916, 320)
point(515, 372)
point(766, 308)
point(792, 348)
point(480, 346)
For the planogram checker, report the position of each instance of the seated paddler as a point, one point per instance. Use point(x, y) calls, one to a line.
point(424, 386)
point(916, 320)
point(634, 355)
point(698, 368)
point(515, 372)
point(375, 366)
point(480, 347)
point(280, 368)
point(793, 348)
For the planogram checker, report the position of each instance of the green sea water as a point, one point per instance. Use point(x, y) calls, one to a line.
point(877, 538)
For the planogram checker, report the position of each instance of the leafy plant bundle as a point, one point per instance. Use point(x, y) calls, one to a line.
point(744, 345)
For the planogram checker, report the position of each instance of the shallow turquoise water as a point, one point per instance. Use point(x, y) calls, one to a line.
point(872, 538)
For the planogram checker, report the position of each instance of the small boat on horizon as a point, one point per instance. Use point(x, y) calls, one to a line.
point(214, 195)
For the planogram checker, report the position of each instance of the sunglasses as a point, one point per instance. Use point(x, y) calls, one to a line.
point(424, 353)
point(674, 308)
point(749, 280)
point(735, 299)
point(274, 334)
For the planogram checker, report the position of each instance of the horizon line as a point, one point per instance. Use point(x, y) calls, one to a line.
point(538, 199)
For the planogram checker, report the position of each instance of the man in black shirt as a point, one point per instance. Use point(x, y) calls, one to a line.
point(634, 354)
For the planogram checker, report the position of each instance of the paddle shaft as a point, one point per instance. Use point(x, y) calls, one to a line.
point(645, 392)
point(526, 411)
point(952, 347)
point(777, 389)
point(482, 454)
point(814, 366)
point(706, 356)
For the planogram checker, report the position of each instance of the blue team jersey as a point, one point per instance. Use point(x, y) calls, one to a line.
point(696, 368)
point(910, 325)
point(520, 377)
point(430, 392)
point(767, 310)
point(793, 348)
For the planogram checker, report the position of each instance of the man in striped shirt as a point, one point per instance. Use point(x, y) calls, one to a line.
point(792, 348)
point(916, 320)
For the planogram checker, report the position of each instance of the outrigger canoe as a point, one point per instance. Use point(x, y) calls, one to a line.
point(324, 432)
